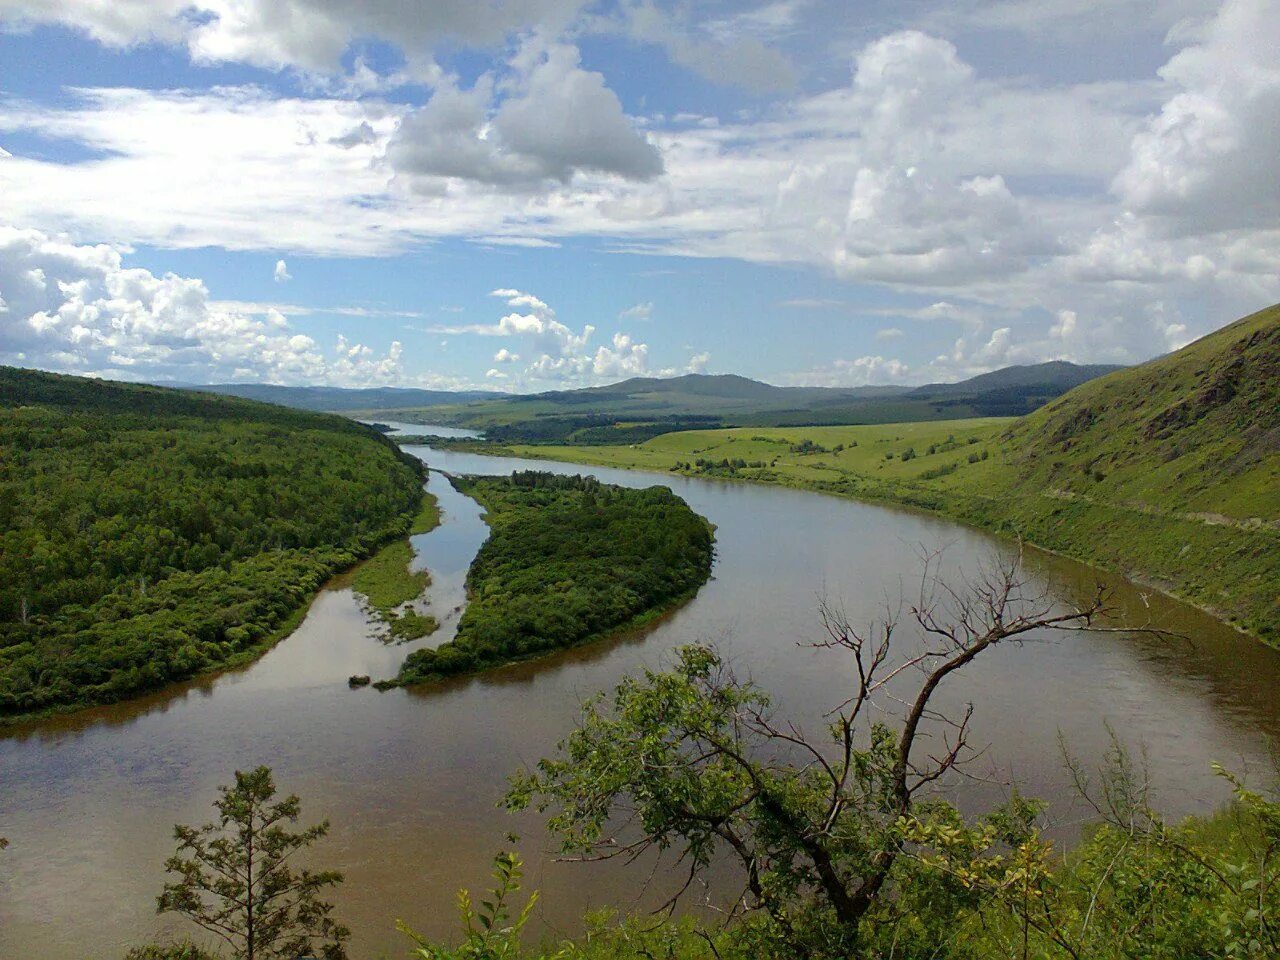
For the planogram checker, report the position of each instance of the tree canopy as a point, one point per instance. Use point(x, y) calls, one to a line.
point(569, 559)
point(149, 534)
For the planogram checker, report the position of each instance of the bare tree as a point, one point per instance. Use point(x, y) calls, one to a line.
point(694, 761)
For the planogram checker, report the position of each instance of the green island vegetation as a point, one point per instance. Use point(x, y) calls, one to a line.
point(388, 584)
point(838, 843)
point(148, 535)
point(1168, 472)
point(568, 560)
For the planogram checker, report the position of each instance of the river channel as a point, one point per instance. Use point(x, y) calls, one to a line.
point(410, 779)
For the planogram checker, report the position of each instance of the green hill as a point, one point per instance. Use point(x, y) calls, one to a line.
point(341, 399)
point(147, 535)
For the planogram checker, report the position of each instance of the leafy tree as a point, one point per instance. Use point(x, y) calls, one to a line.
point(235, 880)
point(696, 758)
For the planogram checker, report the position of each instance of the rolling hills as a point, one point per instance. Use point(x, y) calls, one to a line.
point(340, 399)
point(644, 407)
point(1168, 472)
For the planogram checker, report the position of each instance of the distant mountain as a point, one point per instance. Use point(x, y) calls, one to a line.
point(1056, 375)
point(338, 399)
point(731, 386)
point(634, 410)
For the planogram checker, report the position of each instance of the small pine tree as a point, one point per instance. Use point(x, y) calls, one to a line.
point(234, 878)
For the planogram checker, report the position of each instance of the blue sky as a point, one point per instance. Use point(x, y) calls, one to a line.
point(547, 193)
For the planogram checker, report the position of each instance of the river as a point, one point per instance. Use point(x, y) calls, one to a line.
point(410, 779)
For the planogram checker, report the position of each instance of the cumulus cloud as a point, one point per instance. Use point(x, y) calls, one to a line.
point(1207, 161)
point(281, 272)
point(307, 34)
point(557, 354)
point(1015, 199)
point(80, 309)
point(562, 120)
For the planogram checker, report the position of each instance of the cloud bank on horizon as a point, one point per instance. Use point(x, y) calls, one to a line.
point(808, 191)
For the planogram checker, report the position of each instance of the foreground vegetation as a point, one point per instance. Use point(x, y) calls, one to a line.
point(568, 560)
point(147, 535)
point(842, 845)
point(1168, 472)
point(388, 583)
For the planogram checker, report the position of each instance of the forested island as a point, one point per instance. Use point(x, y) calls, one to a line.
point(148, 535)
point(568, 560)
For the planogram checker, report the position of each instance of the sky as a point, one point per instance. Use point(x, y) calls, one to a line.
point(525, 195)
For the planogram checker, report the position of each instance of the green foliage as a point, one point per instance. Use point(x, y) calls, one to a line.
point(236, 881)
point(568, 560)
point(180, 950)
point(387, 583)
point(147, 535)
point(668, 749)
point(490, 932)
point(412, 625)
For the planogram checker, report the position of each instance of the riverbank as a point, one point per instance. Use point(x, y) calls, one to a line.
point(388, 583)
point(967, 471)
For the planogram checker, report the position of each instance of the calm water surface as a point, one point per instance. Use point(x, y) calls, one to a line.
point(410, 779)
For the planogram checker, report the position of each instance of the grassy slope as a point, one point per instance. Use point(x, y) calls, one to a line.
point(1168, 472)
point(387, 583)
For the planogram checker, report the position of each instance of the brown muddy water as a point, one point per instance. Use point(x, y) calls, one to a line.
point(410, 779)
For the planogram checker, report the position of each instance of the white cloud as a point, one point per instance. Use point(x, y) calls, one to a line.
point(1207, 161)
point(557, 354)
point(281, 272)
point(639, 311)
point(308, 34)
point(560, 120)
point(859, 372)
point(80, 309)
point(730, 50)
point(1005, 200)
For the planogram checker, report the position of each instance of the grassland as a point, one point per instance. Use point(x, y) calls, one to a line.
point(387, 582)
point(1168, 472)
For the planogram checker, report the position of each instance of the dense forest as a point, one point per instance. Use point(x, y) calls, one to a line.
point(568, 560)
point(147, 534)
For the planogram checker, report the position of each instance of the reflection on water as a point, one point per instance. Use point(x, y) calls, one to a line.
point(410, 779)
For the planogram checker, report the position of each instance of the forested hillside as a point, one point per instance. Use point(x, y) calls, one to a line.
point(568, 559)
point(149, 534)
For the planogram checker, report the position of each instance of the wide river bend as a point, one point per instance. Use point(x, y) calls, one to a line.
point(409, 779)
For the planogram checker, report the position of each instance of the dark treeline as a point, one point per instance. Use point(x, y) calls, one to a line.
point(594, 429)
point(568, 559)
point(150, 534)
